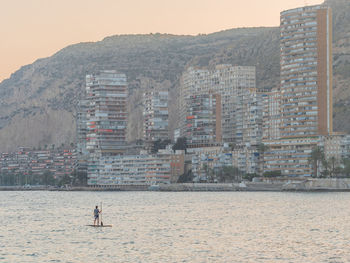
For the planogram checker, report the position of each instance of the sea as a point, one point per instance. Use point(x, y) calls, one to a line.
point(47, 226)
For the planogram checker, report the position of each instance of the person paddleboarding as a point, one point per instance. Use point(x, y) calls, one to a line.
point(97, 213)
point(97, 217)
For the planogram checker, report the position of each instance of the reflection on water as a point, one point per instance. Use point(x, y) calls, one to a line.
point(175, 227)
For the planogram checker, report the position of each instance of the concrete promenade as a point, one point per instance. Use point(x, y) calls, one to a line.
point(276, 184)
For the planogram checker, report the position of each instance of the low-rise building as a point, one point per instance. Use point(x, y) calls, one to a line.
point(290, 156)
point(141, 169)
point(336, 146)
point(246, 159)
point(58, 162)
point(177, 165)
point(212, 159)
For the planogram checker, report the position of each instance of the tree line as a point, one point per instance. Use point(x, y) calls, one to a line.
point(47, 178)
point(328, 167)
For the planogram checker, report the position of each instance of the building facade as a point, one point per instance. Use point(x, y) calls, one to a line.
point(306, 71)
point(336, 146)
point(155, 116)
point(28, 163)
point(271, 110)
point(290, 156)
point(203, 120)
point(106, 118)
point(208, 160)
point(81, 132)
point(249, 118)
point(141, 169)
point(106, 95)
point(305, 91)
point(236, 85)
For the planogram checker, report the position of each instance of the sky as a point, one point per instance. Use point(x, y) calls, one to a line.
point(33, 29)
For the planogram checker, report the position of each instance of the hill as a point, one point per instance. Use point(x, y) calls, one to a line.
point(37, 103)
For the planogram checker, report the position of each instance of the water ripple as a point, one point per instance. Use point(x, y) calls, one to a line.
point(175, 227)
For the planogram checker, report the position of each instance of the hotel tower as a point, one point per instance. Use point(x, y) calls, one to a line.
point(306, 72)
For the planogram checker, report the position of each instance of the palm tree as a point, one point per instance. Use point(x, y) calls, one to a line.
point(206, 170)
point(346, 169)
point(232, 146)
point(262, 148)
point(229, 174)
point(325, 166)
point(211, 175)
point(316, 156)
point(333, 161)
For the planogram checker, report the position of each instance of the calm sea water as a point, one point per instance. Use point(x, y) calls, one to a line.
point(175, 227)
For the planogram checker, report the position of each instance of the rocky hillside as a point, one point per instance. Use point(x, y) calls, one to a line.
point(37, 103)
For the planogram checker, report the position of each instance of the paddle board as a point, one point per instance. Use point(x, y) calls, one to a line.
point(100, 225)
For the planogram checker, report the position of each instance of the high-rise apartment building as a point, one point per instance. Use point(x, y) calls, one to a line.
point(81, 128)
point(194, 82)
point(203, 120)
point(271, 110)
point(155, 116)
point(306, 90)
point(249, 124)
point(236, 85)
point(306, 71)
point(106, 119)
point(106, 112)
point(81, 131)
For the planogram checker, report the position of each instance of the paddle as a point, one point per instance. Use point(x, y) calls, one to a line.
point(101, 215)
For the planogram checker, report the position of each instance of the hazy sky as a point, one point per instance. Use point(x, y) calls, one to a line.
point(32, 29)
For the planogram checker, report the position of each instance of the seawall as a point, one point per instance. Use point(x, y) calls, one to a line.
point(275, 184)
